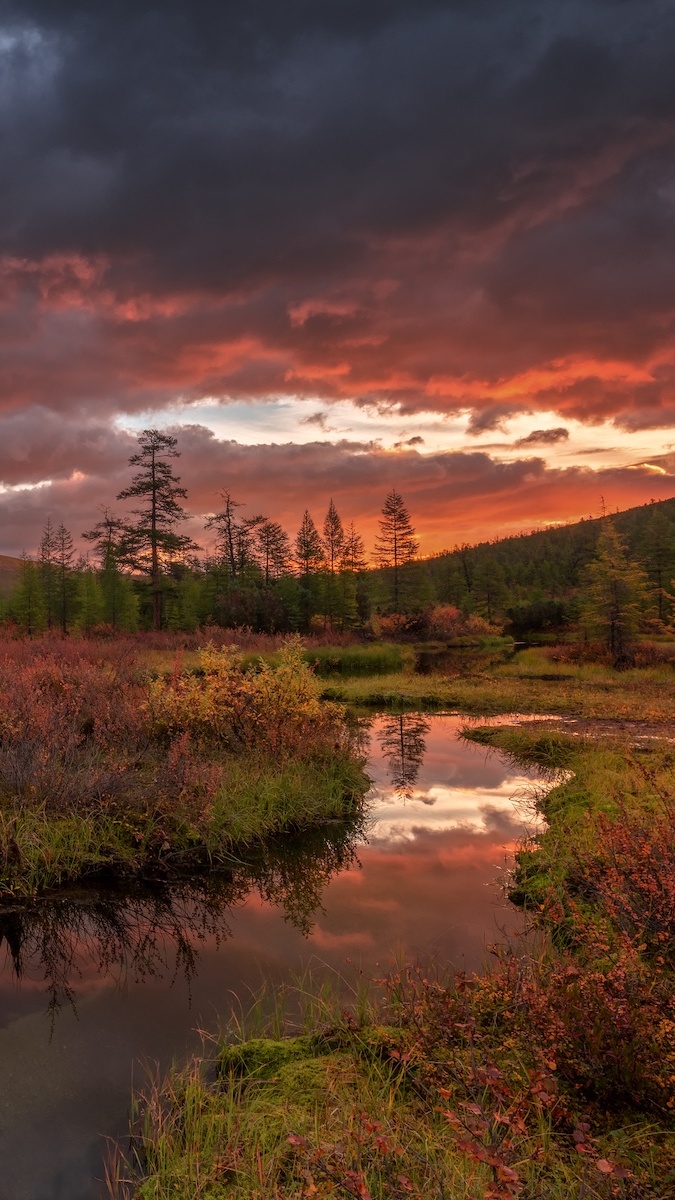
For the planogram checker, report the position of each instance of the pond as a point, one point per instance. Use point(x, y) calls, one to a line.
point(98, 987)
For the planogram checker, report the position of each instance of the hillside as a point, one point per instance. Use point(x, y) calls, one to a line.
point(544, 568)
point(9, 570)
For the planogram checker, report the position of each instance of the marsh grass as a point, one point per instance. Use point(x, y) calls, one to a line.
point(530, 683)
point(381, 658)
point(420, 1091)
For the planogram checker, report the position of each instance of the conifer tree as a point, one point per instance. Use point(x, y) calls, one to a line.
point(120, 604)
point(354, 597)
point(309, 555)
point(90, 599)
point(26, 603)
point(396, 544)
point(227, 527)
point(49, 572)
point(67, 585)
point(272, 549)
point(152, 541)
point(659, 560)
point(353, 556)
point(333, 544)
point(616, 595)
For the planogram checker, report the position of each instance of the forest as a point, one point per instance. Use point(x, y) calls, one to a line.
point(143, 573)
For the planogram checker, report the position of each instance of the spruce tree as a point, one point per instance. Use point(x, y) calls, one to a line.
point(396, 544)
point(152, 541)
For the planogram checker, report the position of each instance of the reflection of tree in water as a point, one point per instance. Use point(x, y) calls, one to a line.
point(149, 932)
point(403, 743)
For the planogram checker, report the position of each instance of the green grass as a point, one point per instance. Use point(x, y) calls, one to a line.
point(380, 658)
point(598, 778)
point(256, 798)
point(529, 683)
point(351, 1107)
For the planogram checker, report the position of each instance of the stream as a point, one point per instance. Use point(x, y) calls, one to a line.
point(99, 987)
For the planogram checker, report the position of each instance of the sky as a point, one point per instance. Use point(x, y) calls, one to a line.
point(336, 248)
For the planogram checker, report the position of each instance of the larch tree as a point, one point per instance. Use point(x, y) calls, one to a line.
point(26, 603)
point(353, 555)
point(49, 571)
point(616, 595)
point(227, 527)
point(309, 555)
point(152, 540)
point(333, 543)
point(397, 543)
point(120, 603)
point(67, 585)
point(659, 560)
point(354, 599)
point(272, 549)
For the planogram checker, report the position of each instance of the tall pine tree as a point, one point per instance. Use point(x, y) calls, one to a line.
point(152, 541)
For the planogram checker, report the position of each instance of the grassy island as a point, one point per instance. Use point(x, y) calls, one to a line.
point(106, 769)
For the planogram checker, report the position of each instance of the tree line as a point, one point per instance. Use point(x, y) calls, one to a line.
point(146, 572)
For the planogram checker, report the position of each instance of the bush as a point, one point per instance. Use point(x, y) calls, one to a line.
point(277, 708)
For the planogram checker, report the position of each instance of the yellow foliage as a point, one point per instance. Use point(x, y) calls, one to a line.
point(275, 707)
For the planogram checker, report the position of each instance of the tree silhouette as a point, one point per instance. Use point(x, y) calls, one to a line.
point(396, 544)
point(152, 539)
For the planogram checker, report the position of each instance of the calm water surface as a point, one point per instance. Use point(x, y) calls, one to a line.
point(94, 988)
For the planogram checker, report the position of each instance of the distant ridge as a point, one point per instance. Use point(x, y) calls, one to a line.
point(627, 520)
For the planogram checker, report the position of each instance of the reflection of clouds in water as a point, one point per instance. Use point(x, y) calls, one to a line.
point(447, 808)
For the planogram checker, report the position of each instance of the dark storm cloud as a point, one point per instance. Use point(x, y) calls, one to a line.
point(544, 437)
point(426, 204)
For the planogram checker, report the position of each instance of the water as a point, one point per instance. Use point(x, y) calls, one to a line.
point(96, 988)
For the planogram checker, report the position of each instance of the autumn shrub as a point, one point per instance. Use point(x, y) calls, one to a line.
point(276, 708)
point(70, 721)
point(103, 768)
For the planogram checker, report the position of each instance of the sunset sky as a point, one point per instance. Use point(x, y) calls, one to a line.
point(338, 246)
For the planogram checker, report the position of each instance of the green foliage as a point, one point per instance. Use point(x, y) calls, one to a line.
point(615, 597)
point(26, 603)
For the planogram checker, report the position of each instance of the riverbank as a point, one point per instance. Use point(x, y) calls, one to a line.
point(554, 1074)
point(107, 772)
point(532, 681)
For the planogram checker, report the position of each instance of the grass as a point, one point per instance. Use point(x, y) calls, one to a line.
point(422, 1096)
point(604, 783)
point(529, 683)
point(255, 798)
